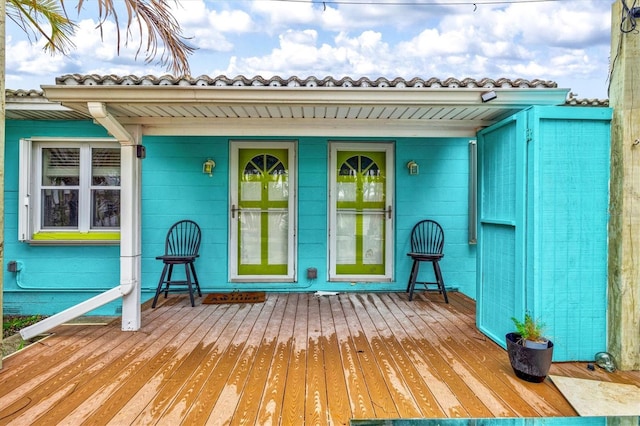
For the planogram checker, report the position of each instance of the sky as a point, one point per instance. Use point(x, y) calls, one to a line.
point(566, 41)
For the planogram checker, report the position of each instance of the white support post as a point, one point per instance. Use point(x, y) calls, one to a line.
point(130, 233)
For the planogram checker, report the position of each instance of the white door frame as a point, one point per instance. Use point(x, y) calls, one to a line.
point(235, 147)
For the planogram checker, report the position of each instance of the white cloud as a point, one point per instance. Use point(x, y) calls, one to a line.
point(26, 61)
point(276, 15)
point(565, 41)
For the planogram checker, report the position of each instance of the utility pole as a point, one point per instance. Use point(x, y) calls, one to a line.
point(3, 20)
point(624, 203)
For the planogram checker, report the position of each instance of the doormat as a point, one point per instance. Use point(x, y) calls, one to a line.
point(597, 398)
point(234, 297)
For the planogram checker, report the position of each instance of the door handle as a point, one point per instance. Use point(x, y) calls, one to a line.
point(233, 211)
point(389, 211)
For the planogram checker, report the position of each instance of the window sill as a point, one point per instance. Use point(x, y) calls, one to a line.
point(75, 239)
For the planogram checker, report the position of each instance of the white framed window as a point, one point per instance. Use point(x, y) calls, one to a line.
point(69, 191)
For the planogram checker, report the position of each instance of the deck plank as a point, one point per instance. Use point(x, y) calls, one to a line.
point(406, 354)
point(79, 370)
point(157, 392)
point(297, 358)
point(338, 409)
point(270, 409)
point(316, 387)
point(249, 400)
point(381, 341)
point(293, 409)
point(110, 396)
point(213, 348)
point(381, 397)
point(450, 390)
point(359, 400)
point(225, 408)
point(214, 386)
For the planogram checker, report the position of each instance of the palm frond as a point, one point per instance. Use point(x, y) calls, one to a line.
point(162, 31)
point(31, 15)
point(153, 19)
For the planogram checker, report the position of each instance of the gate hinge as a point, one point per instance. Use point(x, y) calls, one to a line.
point(529, 135)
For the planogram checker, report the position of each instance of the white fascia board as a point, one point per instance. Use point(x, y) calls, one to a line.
point(229, 95)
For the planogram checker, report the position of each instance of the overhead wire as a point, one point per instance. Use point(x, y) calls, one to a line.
point(628, 22)
point(474, 3)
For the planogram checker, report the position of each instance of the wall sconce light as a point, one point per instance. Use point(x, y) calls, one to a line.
point(208, 166)
point(141, 152)
point(414, 168)
point(488, 96)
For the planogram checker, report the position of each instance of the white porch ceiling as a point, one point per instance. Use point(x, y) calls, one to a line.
point(300, 112)
point(302, 107)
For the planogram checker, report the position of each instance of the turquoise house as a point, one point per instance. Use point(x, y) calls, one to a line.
point(305, 185)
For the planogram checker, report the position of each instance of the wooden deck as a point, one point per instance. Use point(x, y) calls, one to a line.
point(295, 359)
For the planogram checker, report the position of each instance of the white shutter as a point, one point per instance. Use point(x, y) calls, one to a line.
point(24, 191)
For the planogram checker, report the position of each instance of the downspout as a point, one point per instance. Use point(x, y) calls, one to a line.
point(130, 217)
point(98, 110)
point(129, 288)
point(130, 247)
point(77, 310)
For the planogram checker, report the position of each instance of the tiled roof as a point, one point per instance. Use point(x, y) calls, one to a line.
point(149, 80)
point(573, 101)
point(203, 80)
point(20, 93)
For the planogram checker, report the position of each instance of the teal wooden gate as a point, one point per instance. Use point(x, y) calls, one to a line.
point(501, 189)
point(543, 203)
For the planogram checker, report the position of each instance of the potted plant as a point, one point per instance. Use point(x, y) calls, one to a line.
point(530, 353)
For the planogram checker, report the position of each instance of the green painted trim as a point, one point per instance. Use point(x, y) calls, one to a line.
point(378, 158)
point(263, 270)
point(76, 236)
point(264, 177)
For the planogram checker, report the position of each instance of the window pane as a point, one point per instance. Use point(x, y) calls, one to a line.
point(106, 208)
point(59, 208)
point(105, 166)
point(60, 166)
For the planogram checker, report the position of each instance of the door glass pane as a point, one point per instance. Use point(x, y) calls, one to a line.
point(372, 239)
point(250, 239)
point(278, 237)
point(372, 192)
point(346, 191)
point(250, 191)
point(278, 191)
point(346, 235)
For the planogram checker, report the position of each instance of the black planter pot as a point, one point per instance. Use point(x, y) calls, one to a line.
point(529, 364)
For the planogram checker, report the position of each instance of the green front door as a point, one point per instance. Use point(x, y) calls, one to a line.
point(261, 214)
point(361, 213)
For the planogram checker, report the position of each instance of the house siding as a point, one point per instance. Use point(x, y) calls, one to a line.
point(52, 278)
point(174, 188)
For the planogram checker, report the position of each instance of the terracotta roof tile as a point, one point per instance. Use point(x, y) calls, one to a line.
point(242, 81)
point(312, 81)
point(9, 93)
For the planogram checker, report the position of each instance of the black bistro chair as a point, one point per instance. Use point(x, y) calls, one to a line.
point(427, 242)
point(181, 248)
